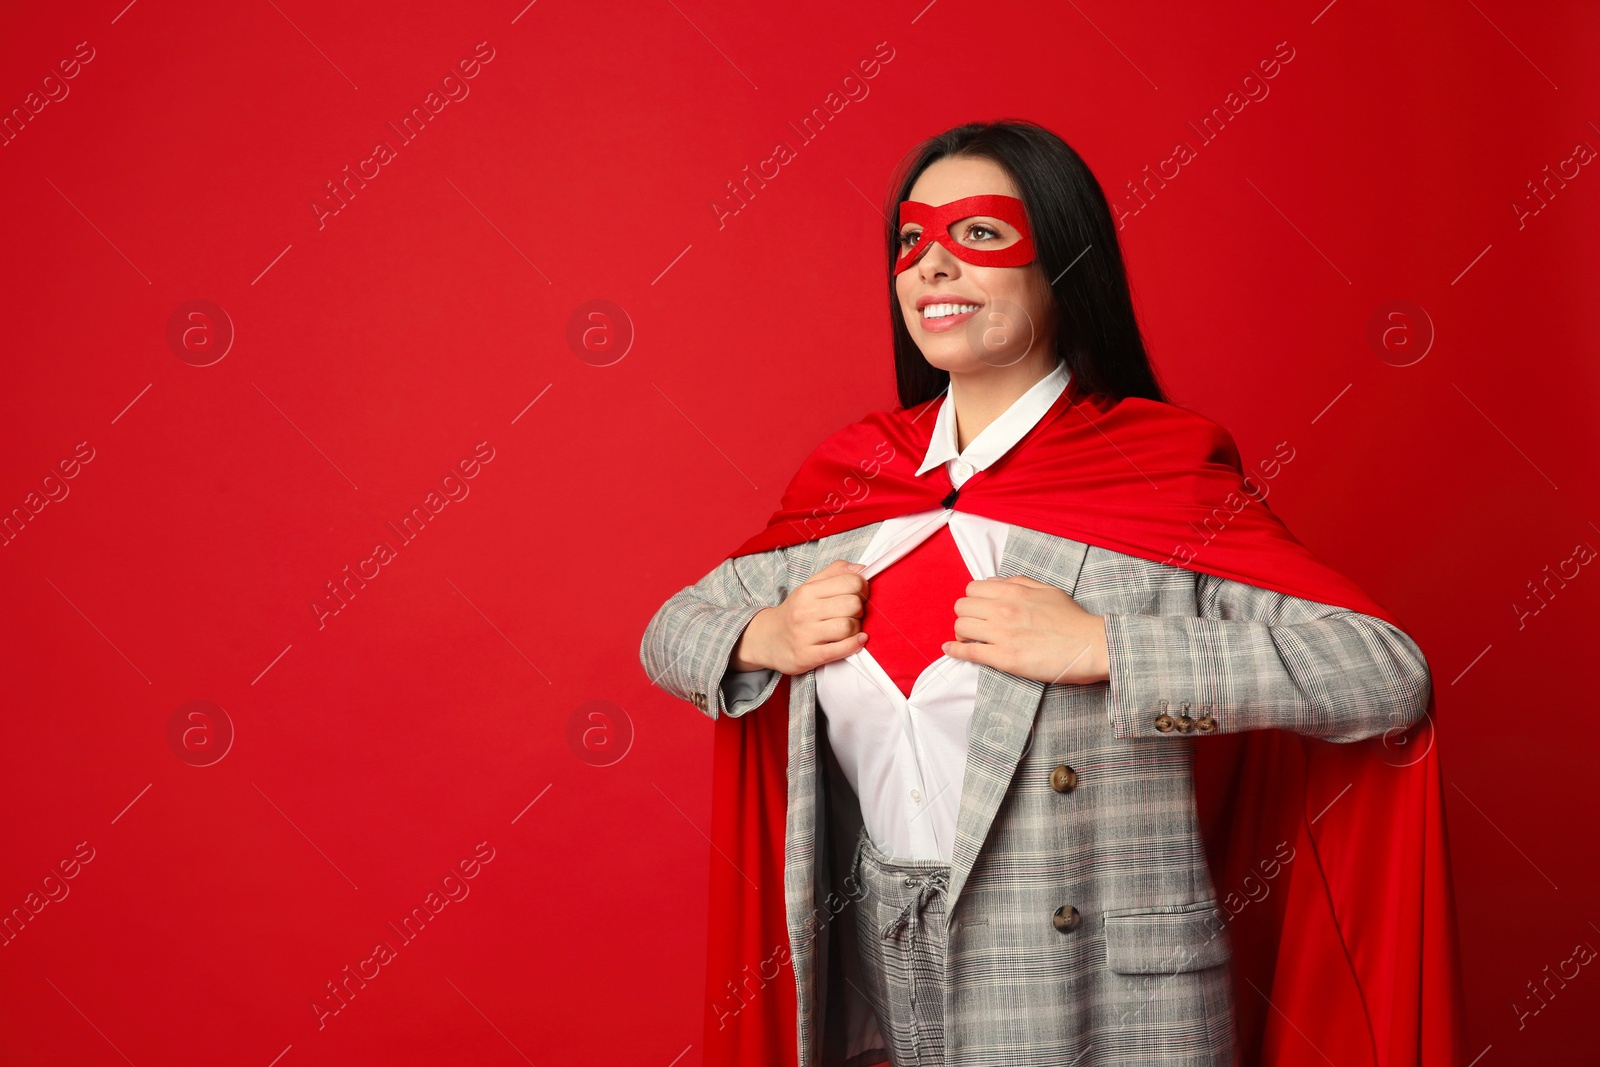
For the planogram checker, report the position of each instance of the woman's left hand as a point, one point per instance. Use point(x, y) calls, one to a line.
point(1030, 629)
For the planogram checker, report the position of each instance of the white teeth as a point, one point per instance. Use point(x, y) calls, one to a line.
point(939, 311)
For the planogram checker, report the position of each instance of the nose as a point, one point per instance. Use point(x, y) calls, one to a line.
point(937, 260)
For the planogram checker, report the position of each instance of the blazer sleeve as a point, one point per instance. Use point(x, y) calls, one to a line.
point(686, 648)
point(1253, 658)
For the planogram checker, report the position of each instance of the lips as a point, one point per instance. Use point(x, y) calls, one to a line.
point(947, 314)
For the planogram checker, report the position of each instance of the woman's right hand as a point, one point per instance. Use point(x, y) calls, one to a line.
point(818, 622)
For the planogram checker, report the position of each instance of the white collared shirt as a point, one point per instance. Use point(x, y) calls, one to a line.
point(906, 757)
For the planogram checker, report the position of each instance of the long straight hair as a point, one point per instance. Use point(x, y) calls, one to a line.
point(1097, 335)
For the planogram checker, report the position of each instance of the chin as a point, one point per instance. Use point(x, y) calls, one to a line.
point(951, 355)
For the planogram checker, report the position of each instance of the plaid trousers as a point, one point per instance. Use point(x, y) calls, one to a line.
point(901, 928)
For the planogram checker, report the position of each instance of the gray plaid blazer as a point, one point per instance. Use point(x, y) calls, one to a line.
point(1083, 927)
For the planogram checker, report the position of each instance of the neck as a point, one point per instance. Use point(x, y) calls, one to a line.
point(983, 395)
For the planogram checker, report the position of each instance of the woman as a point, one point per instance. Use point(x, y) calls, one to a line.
point(1041, 718)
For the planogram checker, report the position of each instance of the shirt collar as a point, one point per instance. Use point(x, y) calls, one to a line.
point(999, 436)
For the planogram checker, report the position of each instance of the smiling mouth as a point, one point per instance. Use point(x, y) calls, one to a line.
point(945, 311)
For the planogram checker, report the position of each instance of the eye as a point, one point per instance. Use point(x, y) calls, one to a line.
point(910, 238)
point(980, 227)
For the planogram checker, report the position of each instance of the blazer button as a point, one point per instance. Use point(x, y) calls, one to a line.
point(1185, 724)
point(1063, 779)
point(1205, 723)
point(699, 700)
point(1164, 722)
point(1066, 918)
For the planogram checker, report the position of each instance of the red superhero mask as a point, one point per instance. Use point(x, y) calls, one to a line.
point(939, 224)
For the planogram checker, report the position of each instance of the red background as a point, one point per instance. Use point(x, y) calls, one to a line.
point(447, 702)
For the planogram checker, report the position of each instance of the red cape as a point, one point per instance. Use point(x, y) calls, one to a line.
point(1354, 940)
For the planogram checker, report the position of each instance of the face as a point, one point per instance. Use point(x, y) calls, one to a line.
point(1003, 314)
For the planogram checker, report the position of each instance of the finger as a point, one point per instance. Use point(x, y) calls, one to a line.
point(840, 603)
point(968, 628)
point(839, 570)
point(971, 607)
point(844, 606)
point(840, 649)
point(972, 651)
point(833, 609)
point(989, 588)
point(830, 631)
point(826, 584)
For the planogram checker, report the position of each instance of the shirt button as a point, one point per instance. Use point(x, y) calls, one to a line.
point(961, 469)
point(916, 794)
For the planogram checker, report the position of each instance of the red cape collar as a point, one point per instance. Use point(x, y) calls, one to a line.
point(1138, 476)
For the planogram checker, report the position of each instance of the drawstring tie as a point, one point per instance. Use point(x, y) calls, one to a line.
point(938, 882)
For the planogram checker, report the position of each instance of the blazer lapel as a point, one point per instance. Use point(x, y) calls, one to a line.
point(1002, 723)
point(806, 836)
